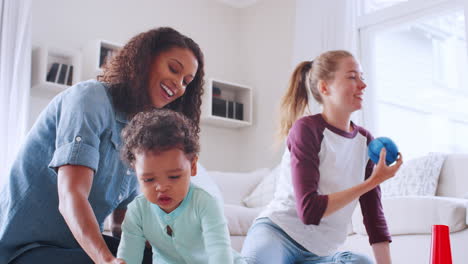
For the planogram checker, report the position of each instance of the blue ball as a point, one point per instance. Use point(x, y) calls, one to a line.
point(376, 146)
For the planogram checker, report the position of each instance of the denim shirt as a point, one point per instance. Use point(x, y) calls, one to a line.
point(79, 127)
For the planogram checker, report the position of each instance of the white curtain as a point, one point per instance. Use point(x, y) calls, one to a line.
point(15, 76)
point(323, 25)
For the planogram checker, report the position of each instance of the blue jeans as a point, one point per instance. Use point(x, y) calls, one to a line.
point(267, 243)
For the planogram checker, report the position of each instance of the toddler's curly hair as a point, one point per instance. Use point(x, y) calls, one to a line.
point(159, 130)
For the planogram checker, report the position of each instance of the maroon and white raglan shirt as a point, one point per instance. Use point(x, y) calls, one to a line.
point(319, 160)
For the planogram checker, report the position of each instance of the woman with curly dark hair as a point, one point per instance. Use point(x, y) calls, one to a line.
point(68, 177)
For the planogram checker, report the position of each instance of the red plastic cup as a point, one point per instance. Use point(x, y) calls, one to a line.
point(440, 245)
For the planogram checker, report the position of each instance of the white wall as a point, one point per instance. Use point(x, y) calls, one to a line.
point(267, 32)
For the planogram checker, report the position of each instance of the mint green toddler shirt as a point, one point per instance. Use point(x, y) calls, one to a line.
point(199, 232)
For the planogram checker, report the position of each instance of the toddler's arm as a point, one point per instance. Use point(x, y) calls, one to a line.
point(215, 232)
point(132, 243)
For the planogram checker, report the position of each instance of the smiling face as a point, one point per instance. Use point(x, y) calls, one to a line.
point(165, 177)
point(170, 73)
point(345, 92)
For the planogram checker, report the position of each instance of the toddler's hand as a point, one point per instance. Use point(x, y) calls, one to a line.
point(382, 172)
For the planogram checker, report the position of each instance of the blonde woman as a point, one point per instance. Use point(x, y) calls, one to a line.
point(325, 172)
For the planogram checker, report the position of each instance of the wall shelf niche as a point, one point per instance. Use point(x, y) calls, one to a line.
point(54, 70)
point(227, 104)
point(95, 54)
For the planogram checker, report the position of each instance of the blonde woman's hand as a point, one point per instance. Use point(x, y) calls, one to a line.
point(382, 172)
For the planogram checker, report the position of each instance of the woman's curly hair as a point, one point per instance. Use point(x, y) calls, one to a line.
point(159, 130)
point(127, 73)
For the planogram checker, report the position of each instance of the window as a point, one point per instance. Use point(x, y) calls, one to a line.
point(417, 66)
point(369, 6)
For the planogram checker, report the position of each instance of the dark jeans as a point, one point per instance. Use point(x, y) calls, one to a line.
point(56, 255)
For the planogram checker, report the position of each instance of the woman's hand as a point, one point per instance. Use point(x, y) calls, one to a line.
point(382, 172)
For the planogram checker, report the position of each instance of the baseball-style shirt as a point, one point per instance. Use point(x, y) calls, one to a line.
point(321, 159)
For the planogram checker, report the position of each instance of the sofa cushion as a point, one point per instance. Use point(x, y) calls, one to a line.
point(263, 193)
point(415, 177)
point(417, 214)
point(240, 218)
point(235, 186)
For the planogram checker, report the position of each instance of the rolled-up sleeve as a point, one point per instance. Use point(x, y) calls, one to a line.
point(80, 123)
point(76, 153)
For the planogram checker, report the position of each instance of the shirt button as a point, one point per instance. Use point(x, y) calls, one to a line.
point(128, 172)
point(120, 197)
point(168, 217)
point(78, 139)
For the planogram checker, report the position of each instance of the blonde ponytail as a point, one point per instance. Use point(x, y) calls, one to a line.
point(294, 100)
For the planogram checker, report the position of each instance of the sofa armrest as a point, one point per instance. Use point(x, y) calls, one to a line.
point(417, 214)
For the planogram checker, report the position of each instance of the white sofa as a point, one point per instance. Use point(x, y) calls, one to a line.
point(409, 218)
point(234, 187)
